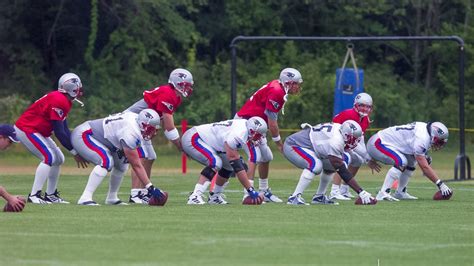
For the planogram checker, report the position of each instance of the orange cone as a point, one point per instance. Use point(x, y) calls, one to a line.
point(395, 184)
point(213, 183)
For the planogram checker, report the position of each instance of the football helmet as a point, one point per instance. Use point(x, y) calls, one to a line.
point(291, 80)
point(182, 81)
point(71, 84)
point(148, 121)
point(439, 135)
point(257, 128)
point(363, 104)
point(351, 133)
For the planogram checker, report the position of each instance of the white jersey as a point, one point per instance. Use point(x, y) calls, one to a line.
point(327, 140)
point(233, 132)
point(122, 130)
point(410, 139)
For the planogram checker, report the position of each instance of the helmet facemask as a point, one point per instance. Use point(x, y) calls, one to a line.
point(182, 81)
point(439, 135)
point(257, 128)
point(363, 104)
point(149, 122)
point(291, 80)
point(351, 134)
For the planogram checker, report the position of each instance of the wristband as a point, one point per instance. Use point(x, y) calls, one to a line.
point(277, 138)
point(73, 152)
point(172, 134)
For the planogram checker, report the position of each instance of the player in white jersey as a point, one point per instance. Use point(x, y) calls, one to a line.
point(110, 143)
point(321, 149)
point(217, 146)
point(404, 147)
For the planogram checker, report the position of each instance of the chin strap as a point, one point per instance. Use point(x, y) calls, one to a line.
point(81, 103)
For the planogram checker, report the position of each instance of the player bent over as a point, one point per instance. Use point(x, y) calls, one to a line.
point(110, 143)
point(321, 148)
point(34, 129)
point(216, 146)
point(267, 103)
point(404, 147)
point(164, 99)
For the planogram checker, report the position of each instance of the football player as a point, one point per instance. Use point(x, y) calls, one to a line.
point(7, 137)
point(404, 147)
point(267, 103)
point(359, 113)
point(34, 129)
point(110, 143)
point(164, 100)
point(216, 146)
point(321, 148)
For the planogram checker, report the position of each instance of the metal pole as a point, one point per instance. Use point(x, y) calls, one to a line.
point(462, 147)
point(233, 86)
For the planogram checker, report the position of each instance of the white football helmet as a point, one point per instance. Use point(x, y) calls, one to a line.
point(257, 128)
point(439, 135)
point(148, 121)
point(291, 80)
point(182, 81)
point(363, 104)
point(351, 133)
point(71, 84)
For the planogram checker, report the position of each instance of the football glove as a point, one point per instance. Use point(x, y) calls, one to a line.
point(254, 195)
point(366, 197)
point(445, 190)
point(155, 192)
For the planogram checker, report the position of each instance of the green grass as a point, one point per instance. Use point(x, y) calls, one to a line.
point(422, 232)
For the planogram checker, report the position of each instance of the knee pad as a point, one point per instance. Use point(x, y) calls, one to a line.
point(208, 172)
point(410, 168)
point(225, 173)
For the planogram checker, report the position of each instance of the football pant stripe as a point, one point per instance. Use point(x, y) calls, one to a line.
point(388, 152)
point(307, 157)
point(200, 148)
point(48, 157)
point(86, 137)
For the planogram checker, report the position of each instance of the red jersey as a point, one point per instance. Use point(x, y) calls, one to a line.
point(162, 99)
point(38, 117)
point(270, 97)
point(351, 114)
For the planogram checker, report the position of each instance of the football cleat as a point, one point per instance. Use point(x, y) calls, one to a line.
point(382, 195)
point(337, 196)
point(404, 196)
point(216, 198)
point(88, 203)
point(137, 198)
point(116, 202)
point(54, 198)
point(269, 197)
point(346, 192)
point(296, 200)
point(195, 199)
point(37, 198)
point(323, 199)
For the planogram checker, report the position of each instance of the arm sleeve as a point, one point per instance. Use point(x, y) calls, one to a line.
point(271, 115)
point(62, 133)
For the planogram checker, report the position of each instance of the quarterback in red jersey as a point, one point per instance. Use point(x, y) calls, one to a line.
point(164, 100)
point(34, 129)
point(267, 103)
point(359, 113)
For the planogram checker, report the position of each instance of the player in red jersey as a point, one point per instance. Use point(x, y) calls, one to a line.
point(164, 100)
point(359, 113)
point(34, 129)
point(267, 103)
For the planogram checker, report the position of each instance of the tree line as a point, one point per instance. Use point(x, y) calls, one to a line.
point(121, 48)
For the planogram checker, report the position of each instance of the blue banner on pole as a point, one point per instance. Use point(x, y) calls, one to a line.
point(348, 85)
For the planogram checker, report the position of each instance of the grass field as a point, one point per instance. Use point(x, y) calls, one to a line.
point(422, 232)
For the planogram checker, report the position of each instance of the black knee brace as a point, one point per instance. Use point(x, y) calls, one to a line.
point(208, 172)
point(225, 173)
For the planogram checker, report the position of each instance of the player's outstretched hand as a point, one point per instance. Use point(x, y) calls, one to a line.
point(445, 190)
point(81, 162)
point(366, 198)
point(374, 166)
point(17, 203)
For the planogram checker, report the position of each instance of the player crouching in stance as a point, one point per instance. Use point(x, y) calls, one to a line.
point(403, 147)
point(34, 128)
point(321, 148)
point(110, 143)
point(216, 146)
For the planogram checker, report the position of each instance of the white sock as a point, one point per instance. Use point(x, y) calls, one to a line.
point(226, 184)
point(323, 183)
point(53, 179)
point(116, 177)
point(344, 189)
point(42, 173)
point(305, 180)
point(262, 184)
point(392, 175)
point(201, 189)
point(218, 189)
point(335, 189)
point(95, 178)
point(404, 178)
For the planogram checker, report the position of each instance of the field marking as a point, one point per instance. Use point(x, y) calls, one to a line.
point(396, 246)
point(35, 234)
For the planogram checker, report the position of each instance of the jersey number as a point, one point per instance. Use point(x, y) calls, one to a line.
point(223, 124)
point(327, 127)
